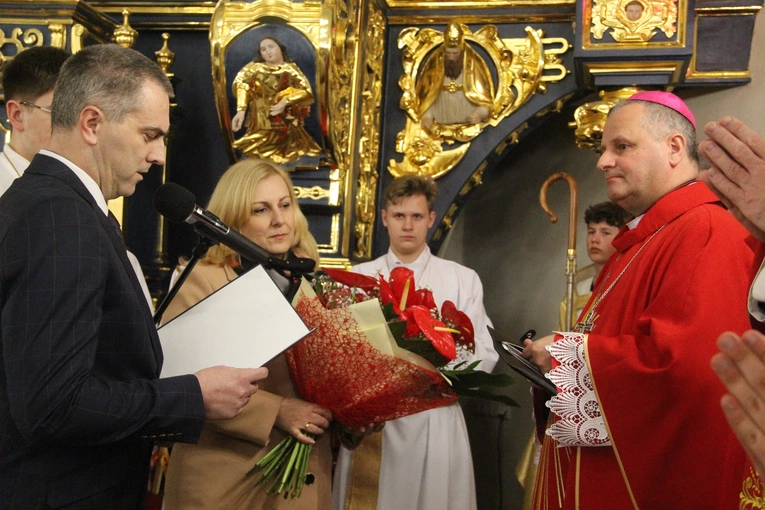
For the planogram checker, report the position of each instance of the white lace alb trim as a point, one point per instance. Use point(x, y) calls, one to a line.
point(581, 423)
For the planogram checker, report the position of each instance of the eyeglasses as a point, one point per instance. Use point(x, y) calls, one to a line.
point(27, 103)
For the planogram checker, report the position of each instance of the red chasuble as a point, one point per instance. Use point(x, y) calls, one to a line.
point(648, 356)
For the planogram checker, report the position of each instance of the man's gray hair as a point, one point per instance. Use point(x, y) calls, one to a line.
point(662, 121)
point(107, 76)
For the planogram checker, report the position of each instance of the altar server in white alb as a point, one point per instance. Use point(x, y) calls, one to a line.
point(28, 83)
point(422, 461)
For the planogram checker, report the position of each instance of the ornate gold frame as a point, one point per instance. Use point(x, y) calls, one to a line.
point(520, 65)
point(608, 17)
point(475, 4)
point(232, 19)
point(369, 137)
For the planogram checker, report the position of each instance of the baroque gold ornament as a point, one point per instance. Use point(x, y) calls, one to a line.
point(164, 56)
point(369, 139)
point(125, 35)
point(590, 118)
point(449, 95)
point(22, 39)
point(751, 495)
point(633, 20)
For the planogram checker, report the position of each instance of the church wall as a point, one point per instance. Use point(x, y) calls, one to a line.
point(505, 236)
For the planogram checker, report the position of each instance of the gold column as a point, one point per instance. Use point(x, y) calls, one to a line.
point(125, 36)
point(164, 58)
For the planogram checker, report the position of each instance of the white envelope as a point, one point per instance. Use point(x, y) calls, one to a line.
point(243, 324)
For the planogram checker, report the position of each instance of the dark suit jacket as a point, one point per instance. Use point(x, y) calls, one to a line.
point(80, 399)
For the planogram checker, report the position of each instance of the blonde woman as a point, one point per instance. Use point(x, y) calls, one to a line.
point(256, 198)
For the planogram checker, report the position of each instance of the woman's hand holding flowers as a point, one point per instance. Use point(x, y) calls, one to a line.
point(300, 418)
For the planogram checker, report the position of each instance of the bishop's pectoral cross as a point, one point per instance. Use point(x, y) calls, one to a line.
point(588, 324)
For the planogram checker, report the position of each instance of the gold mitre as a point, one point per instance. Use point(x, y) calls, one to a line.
point(453, 35)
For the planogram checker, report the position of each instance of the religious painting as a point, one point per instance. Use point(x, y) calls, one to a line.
point(271, 103)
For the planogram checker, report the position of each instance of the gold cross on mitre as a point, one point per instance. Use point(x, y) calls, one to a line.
point(588, 324)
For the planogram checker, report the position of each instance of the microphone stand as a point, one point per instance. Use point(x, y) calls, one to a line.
point(206, 240)
point(198, 253)
point(297, 267)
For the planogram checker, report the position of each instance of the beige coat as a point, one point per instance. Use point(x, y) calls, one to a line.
point(216, 473)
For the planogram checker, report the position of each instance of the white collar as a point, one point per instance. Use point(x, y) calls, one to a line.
point(18, 161)
point(87, 180)
point(634, 222)
point(418, 265)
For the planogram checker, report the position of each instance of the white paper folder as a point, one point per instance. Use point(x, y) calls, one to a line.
point(243, 324)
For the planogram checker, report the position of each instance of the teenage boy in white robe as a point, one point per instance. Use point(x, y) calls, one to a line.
point(425, 460)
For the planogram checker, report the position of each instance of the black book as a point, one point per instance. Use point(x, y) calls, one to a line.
point(512, 354)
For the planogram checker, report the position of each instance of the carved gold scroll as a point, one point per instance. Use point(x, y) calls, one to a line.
point(633, 20)
point(523, 68)
point(590, 118)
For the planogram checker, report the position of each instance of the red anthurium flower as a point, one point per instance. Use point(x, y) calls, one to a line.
point(435, 331)
point(399, 277)
point(412, 329)
point(424, 297)
point(386, 295)
point(363, 282)
point(460, 321)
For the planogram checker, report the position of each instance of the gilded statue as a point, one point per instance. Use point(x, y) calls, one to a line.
point(278, 97)
point(450, 95)
point(455, 86)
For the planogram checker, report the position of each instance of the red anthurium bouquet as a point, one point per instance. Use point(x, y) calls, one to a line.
point(379, 350)
point(444, 339)
point(449, 333)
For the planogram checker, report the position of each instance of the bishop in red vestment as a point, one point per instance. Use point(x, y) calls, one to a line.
point(637, 422)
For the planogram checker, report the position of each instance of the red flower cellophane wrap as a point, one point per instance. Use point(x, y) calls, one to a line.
point(336, 367)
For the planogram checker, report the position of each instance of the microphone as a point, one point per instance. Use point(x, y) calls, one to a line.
point(178, 204)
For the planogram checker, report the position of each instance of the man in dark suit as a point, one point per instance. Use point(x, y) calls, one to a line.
point(81, 402)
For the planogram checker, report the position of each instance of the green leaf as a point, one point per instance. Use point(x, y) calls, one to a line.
point(388, 312)
point(469, 382)
point(422, 347)
point(397, 329)
point(478, 379)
